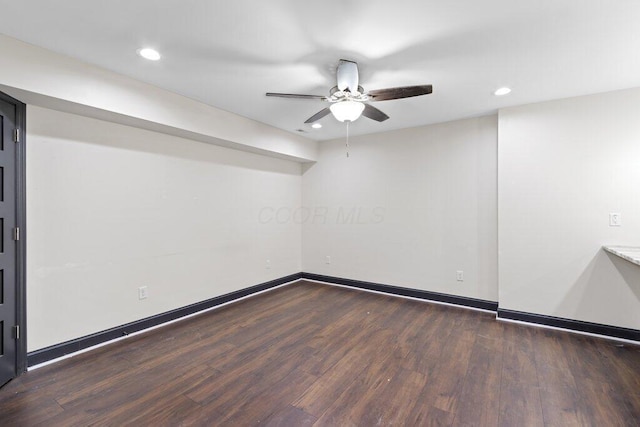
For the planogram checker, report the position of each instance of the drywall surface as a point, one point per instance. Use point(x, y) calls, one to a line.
point(112, 208)
point(408, 208)
point(40, 77)
point(564, 166)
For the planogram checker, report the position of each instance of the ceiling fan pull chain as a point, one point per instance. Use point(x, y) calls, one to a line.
point(347, 138)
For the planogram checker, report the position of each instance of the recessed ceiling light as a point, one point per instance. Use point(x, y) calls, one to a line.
point(316, 125)
point(150, 54)
point(502, 91)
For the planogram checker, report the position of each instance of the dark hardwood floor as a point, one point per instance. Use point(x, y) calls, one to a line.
point(309, 354)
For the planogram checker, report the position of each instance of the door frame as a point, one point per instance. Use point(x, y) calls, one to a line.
point(21, 222)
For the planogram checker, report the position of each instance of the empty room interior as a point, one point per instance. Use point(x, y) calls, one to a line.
point(340, 213)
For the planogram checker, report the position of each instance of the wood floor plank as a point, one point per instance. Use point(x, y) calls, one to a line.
point(238, 377)
point(601, 397)
point(312, 354)
point(290, 416)
point(351, 366)
point(135, 399)
point(479, 403)
point(252, 396)
point(173, 411)
point(265, 400)
point(121, 389)
point(48, 380)
point(619, 361)
point(351, 406)
point(333, 342)
point(558, 391)
point(264, 348)
point(393, 404)
point(519, 386)
point(26, 408)
point(446, 369)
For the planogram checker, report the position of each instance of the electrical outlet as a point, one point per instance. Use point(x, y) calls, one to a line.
point(615, 220)
point(268, 264)
point(327, 260)
point(460, 276)
point(143, 292)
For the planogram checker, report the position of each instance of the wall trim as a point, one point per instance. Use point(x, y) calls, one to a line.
point(573, 325)
point(58, 350)
point(63, 349)
point(406, 292)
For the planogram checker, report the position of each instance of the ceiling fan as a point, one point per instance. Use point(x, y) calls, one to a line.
point(349, 100)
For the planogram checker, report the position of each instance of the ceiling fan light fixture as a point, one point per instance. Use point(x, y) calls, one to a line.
point(316, 125)
point(347, 110)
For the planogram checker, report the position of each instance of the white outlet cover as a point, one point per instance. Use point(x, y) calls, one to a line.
point(615, 220)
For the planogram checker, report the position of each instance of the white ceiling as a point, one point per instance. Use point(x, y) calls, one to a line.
point(229, 53)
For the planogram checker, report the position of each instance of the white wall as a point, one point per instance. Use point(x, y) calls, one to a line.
point(563, 167)
point(407, 208)
point(111, 208)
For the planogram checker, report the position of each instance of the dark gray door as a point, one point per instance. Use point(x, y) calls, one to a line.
point(8, 289)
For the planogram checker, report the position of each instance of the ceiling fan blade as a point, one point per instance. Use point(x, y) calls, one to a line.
point(373, 113)
point(399, 92)
point(296, 96)
point(347, 75)
point(317, 116)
